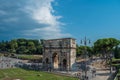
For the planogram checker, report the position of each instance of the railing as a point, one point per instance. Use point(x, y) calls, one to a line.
point(115, 76)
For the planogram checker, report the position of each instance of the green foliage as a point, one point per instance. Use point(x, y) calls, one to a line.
point(21, 46)
point(116, 63)
point(81, 50)
point(12, 74)
point(22, 50)
point(4, 45)
point(105, 45)
point(118, 74)
point(115, 60)
point(25, 46)
point(117, 52)
point(30, 57)
point(31, 47)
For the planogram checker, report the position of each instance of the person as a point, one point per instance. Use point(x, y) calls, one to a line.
point(94, 71)
point(86, 77)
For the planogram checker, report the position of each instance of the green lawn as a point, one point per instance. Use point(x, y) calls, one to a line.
point(29, 56)
point(17, 73)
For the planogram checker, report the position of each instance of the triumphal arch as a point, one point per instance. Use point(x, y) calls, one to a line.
point(59, 54)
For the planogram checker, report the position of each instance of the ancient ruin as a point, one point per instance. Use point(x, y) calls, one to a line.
point(59, 54)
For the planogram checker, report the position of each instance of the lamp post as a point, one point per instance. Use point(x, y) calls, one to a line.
point(85, 41)
point(111, 56)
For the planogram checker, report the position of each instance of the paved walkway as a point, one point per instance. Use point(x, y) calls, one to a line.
point(102, 75)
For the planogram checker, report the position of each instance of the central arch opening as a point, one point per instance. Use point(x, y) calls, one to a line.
point(55, 61)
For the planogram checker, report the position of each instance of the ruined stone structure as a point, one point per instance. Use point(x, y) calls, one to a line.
point(59, 54)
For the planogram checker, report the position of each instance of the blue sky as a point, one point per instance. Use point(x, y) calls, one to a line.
point(44, 19)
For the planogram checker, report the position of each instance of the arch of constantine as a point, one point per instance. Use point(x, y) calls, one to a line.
point(59, 54)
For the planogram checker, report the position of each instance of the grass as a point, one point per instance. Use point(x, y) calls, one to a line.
point(17, 73)
point(118, 74)
point(115, 60)
point(116, 65)
point(30, 56)
point(1, 54)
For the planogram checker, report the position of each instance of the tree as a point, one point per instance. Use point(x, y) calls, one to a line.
point(81, 50)
point(105, 46)
point(117, 52)
point(31, 47)
point(21, 42)
point(22, 50)
point(77, 50)
point(21, 46)
point(39, 49)
point(13, 46)
point(3, 46)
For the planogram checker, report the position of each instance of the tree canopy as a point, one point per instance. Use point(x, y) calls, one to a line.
point(21, 46)
point(105, 45)
point(26, 46)
point(81, 50)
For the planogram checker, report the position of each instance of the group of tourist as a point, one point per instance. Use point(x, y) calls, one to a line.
point(85, 77)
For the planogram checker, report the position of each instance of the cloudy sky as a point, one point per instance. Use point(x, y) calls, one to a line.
point(45, 19)
point(30, 19)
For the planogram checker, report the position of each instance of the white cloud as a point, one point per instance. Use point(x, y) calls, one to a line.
point(46, 33)
point(30, 19)
point(43, 13)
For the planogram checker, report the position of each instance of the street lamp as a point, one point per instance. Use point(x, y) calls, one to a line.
point(111, 56)
point(85, 41)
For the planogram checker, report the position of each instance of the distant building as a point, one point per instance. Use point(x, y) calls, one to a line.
point(59, 54)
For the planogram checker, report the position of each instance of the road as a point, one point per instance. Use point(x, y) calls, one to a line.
point(101, 74)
